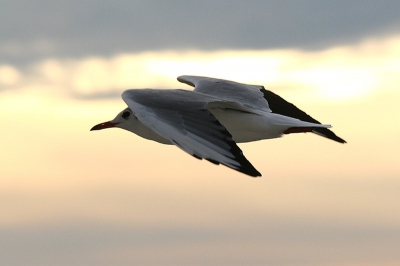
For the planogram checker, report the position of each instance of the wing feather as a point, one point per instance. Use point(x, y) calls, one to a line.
point(182, 118)
point(249, 96)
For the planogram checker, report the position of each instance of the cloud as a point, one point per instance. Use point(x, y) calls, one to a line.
point(85, 28)
point(9, 75)
point(339, 73)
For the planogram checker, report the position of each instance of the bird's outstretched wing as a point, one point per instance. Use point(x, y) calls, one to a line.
point(255, 97)
point(182, 118)
point(249, 96)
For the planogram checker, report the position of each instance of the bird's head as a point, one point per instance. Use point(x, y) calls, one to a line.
point(125, 119)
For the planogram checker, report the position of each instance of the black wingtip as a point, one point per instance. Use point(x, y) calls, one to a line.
point(247, 169)
point(245, 166)
point(279, 105)
point(253, 173)
point(324, 132)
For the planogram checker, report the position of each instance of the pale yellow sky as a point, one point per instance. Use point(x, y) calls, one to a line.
point(315, 197)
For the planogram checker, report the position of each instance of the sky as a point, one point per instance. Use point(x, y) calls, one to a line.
point(69, 196)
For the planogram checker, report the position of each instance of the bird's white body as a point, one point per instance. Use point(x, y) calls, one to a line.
point(244, 127)
point(247, 127)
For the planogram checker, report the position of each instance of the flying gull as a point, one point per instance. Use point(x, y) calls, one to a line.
point(208, 121)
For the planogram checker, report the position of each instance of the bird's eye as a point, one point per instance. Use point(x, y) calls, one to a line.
point(126, 114)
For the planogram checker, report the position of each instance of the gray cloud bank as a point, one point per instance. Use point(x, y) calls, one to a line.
point(37, 29)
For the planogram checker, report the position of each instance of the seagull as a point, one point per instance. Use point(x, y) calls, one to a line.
point(209, 121)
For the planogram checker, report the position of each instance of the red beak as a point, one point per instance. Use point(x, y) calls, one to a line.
point(103, 125)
